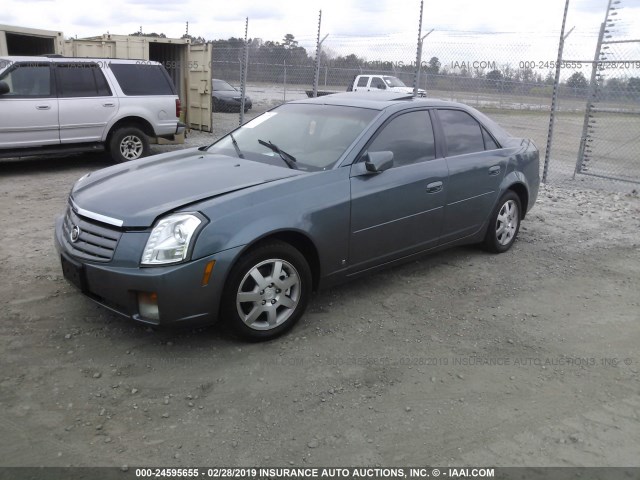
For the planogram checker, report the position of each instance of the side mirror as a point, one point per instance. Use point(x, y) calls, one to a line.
point(4, 88)
point(376, 162)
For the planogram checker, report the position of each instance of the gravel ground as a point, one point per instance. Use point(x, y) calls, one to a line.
point(461, 358)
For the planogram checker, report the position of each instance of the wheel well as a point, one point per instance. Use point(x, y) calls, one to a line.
point(523, 194)
point(137, 122)
point(303, 244)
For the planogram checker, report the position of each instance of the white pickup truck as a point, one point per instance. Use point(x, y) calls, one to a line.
point(379, 83)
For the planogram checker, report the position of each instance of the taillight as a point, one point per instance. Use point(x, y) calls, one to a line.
point(178, 108)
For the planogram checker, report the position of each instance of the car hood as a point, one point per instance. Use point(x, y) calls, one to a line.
point(134, 194)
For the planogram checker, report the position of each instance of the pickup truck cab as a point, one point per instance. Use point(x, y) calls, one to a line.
point(381, 83)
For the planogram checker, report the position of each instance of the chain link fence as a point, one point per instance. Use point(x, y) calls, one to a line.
point(509, 76)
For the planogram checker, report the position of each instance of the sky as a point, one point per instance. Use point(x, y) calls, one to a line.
point(531, 28)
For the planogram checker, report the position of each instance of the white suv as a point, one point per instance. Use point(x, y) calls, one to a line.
point(68, 105)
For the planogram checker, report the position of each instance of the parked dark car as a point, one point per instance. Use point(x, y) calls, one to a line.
point(227, 98)
point(307, 195)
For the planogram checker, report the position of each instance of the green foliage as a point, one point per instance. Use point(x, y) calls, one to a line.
point(194, 40)
point(495, 78)
point(577, 81)
point(153, 34)
point(433, 67)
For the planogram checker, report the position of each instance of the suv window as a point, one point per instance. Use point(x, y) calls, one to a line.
point(81, 80)
point(28, 80)
point(462, 132)
point(143, 79)
point(409, 136)
point(363, 81)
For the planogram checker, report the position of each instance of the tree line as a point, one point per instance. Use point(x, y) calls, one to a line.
point(285, 60)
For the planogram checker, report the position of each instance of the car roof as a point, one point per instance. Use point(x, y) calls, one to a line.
point(61, 59)
point(400, 101)
point(379, 100)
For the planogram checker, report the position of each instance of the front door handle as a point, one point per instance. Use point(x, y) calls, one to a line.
point(495, 170)
point(43, 107)
point(108, 104)
point(434, 187)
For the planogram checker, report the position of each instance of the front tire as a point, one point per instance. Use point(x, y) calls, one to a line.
point(504, 224)
point(128, 143)
point(267, 292)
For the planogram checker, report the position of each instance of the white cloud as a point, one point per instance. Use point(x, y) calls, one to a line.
point(371, 26)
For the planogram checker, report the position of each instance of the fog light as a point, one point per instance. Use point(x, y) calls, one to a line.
point(148, 305)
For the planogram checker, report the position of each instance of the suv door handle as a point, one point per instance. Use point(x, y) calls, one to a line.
point(495, 170)
point(108, 104)
point(434, 187)
point(43, 107)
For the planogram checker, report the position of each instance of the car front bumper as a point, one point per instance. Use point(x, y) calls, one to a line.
point(181, 294)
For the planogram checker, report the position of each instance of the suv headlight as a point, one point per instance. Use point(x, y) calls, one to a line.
point(170, 239)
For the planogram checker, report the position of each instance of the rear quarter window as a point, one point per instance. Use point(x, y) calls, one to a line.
point(143, 79)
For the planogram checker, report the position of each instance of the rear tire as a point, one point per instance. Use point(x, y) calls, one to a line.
point(504, 224)
point(128, 143)
point(267, 291)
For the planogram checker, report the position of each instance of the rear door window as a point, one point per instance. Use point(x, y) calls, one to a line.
point(143, 79)
point(81, 80)
point(363, 81)
point(462, 132)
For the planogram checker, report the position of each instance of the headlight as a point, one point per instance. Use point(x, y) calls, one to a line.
point(170, 238)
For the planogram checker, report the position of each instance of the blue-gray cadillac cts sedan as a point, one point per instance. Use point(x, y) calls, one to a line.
point(306, 195)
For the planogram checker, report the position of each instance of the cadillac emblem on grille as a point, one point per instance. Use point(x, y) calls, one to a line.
point(74, 235)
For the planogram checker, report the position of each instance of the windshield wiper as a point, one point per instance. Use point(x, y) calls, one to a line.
point(289, 159)
point(235, 145)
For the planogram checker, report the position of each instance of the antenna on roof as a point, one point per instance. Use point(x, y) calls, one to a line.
point(187, 32)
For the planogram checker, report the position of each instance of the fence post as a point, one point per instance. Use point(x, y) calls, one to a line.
point(416, 76)
point(284, 93)
point(316, 77)
point(244, 64)
point(554, 97)
point(590, 97)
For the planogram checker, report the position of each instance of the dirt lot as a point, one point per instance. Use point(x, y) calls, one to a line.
point(463, 358)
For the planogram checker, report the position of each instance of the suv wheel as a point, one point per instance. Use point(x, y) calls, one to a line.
point(128, 143)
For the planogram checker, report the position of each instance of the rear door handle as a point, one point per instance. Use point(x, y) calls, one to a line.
point(43, 107)
point(108, 104)
point(434, 187)
point(495, 170)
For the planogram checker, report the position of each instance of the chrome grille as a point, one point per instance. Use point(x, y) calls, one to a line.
point(96, 242)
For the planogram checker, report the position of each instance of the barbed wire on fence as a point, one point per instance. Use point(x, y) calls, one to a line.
point(505, 74)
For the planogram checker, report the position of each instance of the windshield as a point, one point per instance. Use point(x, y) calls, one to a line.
point(315, 135)
point(394, 82)
point(221, 85)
